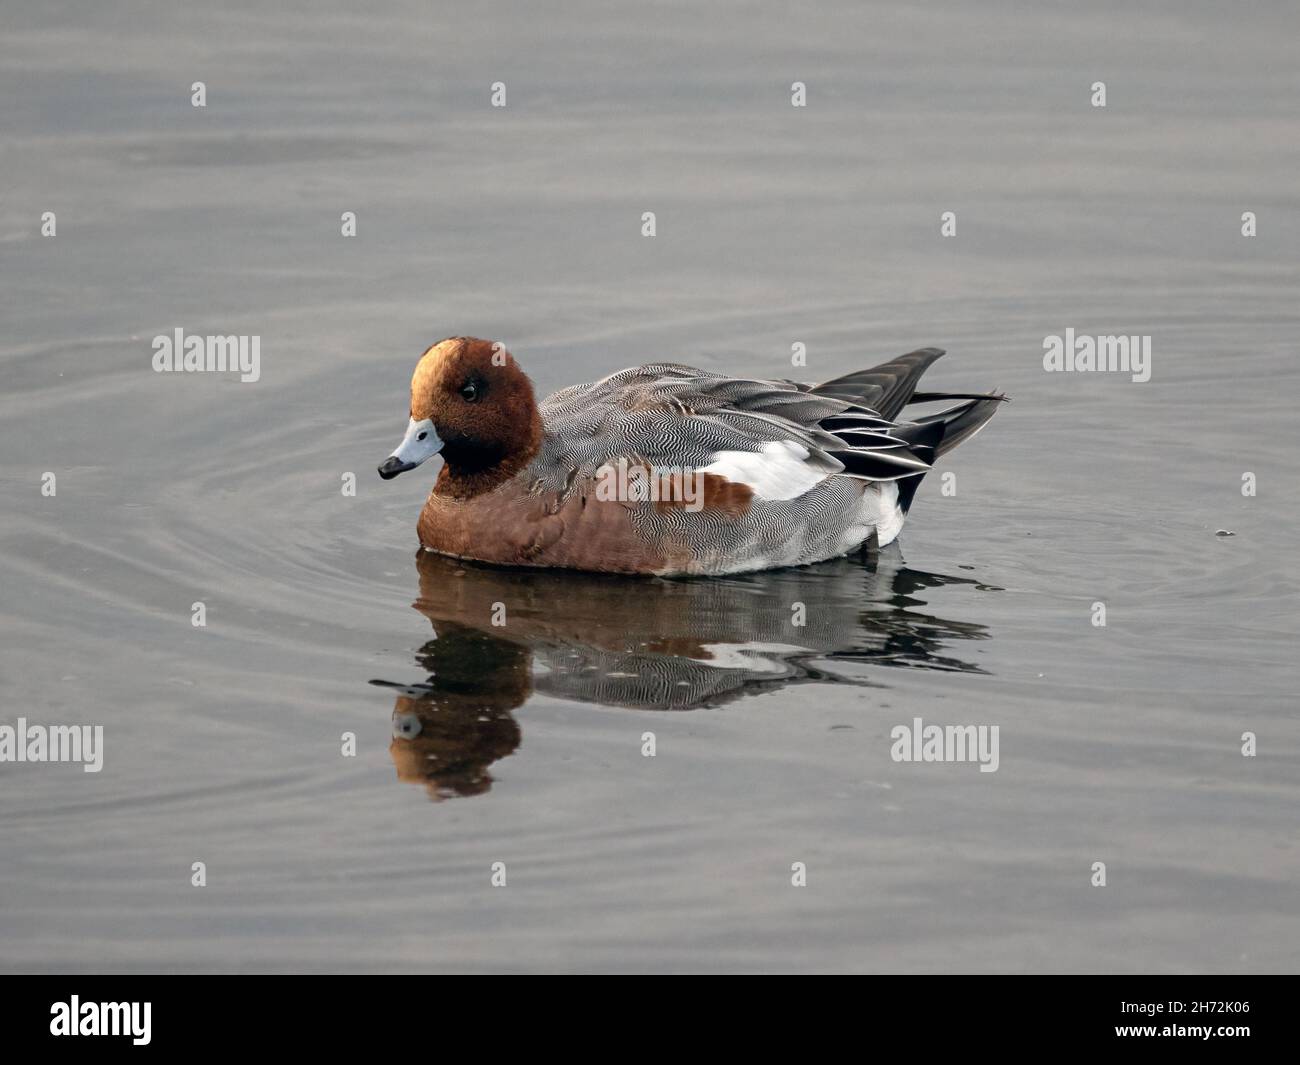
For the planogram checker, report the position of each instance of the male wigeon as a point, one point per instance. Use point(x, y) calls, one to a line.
point(666, 470)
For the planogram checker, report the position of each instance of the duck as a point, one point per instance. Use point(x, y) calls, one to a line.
point(664, 470)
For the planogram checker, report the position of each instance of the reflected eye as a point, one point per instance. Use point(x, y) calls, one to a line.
point(469, 391)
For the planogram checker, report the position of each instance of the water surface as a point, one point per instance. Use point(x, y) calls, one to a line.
point(478, 743)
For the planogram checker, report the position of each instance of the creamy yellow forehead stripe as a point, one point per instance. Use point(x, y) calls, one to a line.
point(449, 359)
point(432, 365)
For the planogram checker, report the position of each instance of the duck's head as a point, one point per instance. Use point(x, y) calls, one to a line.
point(472, 403)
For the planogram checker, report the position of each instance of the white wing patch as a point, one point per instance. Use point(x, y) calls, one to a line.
point(780, 471)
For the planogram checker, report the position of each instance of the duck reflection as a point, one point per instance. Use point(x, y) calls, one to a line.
point(499, 635)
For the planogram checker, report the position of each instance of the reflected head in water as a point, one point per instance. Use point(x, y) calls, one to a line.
point(650, 644)
point(448, 730)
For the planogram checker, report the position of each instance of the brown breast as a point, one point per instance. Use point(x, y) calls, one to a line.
point(510, 527)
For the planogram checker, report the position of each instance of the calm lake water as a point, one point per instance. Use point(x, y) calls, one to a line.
point(522, 744)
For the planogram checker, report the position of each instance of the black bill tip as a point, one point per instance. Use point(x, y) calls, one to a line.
point(392, 466)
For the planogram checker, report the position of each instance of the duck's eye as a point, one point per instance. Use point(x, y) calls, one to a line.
point(469, 391)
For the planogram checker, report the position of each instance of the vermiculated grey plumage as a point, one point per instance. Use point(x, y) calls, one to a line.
point(671, 416)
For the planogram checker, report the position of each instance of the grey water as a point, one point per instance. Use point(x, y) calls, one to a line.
point(525, 743)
